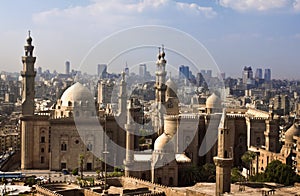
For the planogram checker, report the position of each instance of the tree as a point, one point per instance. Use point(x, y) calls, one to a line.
point(279, 173)
point(81, 157)
point(208, 173)
point(236, 175)
point(189, 175)
point(247, 158)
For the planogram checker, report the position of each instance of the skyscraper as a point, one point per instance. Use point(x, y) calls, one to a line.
point(247, 74)
point(102, 70)
point(184, 72)
point(67, 64)
point(142, 70)
point(258, 73)
point(267, 75)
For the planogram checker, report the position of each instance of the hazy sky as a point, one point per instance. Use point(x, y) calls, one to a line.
point(237, 33)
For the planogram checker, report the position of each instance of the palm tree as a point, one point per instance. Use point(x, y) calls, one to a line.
point(248, 158)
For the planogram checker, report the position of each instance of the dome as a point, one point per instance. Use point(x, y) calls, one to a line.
point(213, 101)
point(163, 143)
point(294, 130)
point(76, 92)
point(171, 84)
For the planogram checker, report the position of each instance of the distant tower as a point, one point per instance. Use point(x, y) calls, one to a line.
point(184, 72)
point(247, 74)
point(130, 129)
point(126, 69)
point(122, 95)
point(267, 75)
point(258, 73)
point(28, 75)
point(67, 64)
point(160, 88)
point(142, 70)
point(102, 70)
point(224, 159)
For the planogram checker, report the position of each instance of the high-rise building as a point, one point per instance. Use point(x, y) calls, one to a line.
point(102, 70)
point(184, 72)
point(126, 69)
point(267, 75)
point(67, 64)
point(258, 73)
point(247, 74)
point(142, 70)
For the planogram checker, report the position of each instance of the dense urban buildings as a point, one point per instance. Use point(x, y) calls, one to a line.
point(154, 130)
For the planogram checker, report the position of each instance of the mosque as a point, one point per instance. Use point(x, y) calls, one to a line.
point(75, 130)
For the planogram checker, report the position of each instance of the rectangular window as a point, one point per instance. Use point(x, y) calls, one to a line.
point(42, 160)
point(43, 139)
point(63, 165)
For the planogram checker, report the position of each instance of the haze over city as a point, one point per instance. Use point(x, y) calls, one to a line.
point(237, 33)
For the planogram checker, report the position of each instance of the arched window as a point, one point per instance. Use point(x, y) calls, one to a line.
point(69, 103)
point(171, 181)
point(63, 147)
point(89, 147)
point(258, 141)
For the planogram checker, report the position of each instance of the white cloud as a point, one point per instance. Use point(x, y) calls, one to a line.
point(260, 5)
point(109, 10)
point(79, 28)
point(296, 5)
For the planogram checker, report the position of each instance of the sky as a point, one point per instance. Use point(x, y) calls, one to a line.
point(236, 33)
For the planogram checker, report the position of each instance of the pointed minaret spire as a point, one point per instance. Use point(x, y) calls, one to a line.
point(122, 94)
point(29, 48)
point(28, 75)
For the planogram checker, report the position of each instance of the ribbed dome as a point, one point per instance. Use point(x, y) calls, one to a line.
point(213, 101)
point(294, 130)
point(76, 92)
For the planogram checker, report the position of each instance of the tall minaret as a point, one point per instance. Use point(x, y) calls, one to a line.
point(224, 159)
point(130, 129)
point(122, 95)
point(160, 88)
point(28, 75)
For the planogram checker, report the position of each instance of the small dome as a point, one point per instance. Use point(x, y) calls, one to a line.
point(294, 130)
point(76, 92)
point(171, 84)
point(213, 101)
point(29, 40)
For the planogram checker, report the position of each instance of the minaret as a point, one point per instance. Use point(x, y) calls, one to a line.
point(28, 75)
point(224, 159)
point(130, 129)
point(122, 95)
point(160, 88)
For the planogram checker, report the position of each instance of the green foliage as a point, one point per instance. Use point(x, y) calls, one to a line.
point(279, 173)
point(30, 181)
point(75, 172)
point(236, 175)
point(192, 174)
point(142, 140)
point(208, 173)
point(248, 157)
point(189, 175)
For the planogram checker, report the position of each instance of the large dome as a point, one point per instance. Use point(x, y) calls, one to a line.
point(75, 93)
point(213, 101)
point(294, 130)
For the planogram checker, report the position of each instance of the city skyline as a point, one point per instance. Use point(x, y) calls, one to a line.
point(236, 33)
